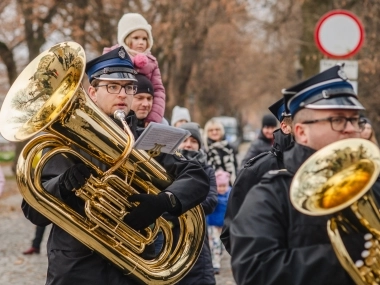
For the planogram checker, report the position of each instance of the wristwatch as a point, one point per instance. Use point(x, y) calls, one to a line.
point(172, 199)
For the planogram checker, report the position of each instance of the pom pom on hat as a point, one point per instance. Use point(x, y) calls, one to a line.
point(140, 60)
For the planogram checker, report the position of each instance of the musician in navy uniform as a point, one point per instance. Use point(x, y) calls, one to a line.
point(256, 167)
point(112, 86)
point(271, 242)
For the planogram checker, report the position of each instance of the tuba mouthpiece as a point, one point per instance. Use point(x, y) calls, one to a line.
point(119, 115)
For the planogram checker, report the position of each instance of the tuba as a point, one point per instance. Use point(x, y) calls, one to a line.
point(337, 181)
point(48, 105)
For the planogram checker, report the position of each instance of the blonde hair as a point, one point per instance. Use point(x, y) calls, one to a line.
point(372, 137)
point(208, 125)
point(128, 39)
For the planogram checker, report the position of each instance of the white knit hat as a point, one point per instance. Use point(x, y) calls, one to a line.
point(180, 113)
point(129, 23)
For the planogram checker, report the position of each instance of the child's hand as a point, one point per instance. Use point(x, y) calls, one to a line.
point(146, 124)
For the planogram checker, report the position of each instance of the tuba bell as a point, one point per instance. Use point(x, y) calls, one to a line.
point(337, 181)
point(48, 106)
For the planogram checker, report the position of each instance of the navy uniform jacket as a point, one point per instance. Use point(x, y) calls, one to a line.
point(272, 243)
point(251, 175)
point(70, 262)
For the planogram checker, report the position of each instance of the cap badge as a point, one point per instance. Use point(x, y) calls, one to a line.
point(342, 74)
point(121, 53)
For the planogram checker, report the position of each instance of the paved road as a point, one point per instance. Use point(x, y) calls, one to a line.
point(16, 234)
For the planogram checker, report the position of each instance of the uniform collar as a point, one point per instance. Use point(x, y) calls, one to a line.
point(296, 156)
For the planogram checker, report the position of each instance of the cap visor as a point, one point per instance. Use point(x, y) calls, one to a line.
point(117, 76)
point(341, 102)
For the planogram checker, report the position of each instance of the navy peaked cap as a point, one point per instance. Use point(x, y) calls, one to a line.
point(113, 65)
point(329, 89)
point(278, 110)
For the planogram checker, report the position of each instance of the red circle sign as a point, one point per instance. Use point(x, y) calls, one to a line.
point(339, 34)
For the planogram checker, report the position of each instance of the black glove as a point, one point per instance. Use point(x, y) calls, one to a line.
point(74, 177)
point(150, 208)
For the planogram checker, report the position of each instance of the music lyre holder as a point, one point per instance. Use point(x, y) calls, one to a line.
point(155, 151)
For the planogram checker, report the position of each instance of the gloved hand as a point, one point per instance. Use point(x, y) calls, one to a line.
point(74, 177)
point(150, 208)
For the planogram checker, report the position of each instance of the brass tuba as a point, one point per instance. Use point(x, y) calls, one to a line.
point(48, 105)
point(337, 180)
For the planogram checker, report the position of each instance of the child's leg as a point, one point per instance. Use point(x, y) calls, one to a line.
point(215, 243)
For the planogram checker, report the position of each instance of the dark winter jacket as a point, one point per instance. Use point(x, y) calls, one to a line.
point(251, 175)
point(217, 217)
point(260, 145)
point(274, 244)
point(202, 271)
point(71, 262)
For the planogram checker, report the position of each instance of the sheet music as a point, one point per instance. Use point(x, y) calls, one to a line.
point(169, 137)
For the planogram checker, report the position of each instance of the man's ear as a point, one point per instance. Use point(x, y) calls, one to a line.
point(285, 128)
point(300, 132)
point(92, 93)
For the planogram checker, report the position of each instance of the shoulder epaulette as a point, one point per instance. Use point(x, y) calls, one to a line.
point(250, 162)
point(271, 174)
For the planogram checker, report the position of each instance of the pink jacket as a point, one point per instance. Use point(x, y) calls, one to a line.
point(151, 70)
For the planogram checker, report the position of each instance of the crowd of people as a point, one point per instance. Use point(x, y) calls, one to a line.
point(248, 211)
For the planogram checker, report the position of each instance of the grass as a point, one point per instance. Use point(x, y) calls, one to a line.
point(7, 156)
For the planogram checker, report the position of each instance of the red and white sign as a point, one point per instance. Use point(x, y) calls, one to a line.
point(339, 34)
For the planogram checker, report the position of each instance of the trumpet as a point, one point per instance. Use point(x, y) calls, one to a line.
point(340, 177)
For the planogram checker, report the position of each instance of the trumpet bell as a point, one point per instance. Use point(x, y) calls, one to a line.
point(337, 180)
point(334, 177)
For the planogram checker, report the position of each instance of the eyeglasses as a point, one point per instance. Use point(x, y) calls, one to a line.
point(338, 124)
point(114, 88)
point(214, 130)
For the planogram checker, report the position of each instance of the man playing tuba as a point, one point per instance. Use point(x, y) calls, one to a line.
point(111, 88)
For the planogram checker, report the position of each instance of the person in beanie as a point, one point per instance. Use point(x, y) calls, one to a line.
point(180, 115)
point(191, 148)
point(256, 167)
point(143, 99)
point(135, 35)
point(264, 141)
point(112, 87)
point(215, 220)
point(272, 242)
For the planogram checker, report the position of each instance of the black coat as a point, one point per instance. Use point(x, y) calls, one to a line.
point(249, 176)
point(203, 271)
point(276, 244)
point(260, 145)
point(71, 262)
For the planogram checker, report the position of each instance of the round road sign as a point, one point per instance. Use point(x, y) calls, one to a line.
point(339, 34)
